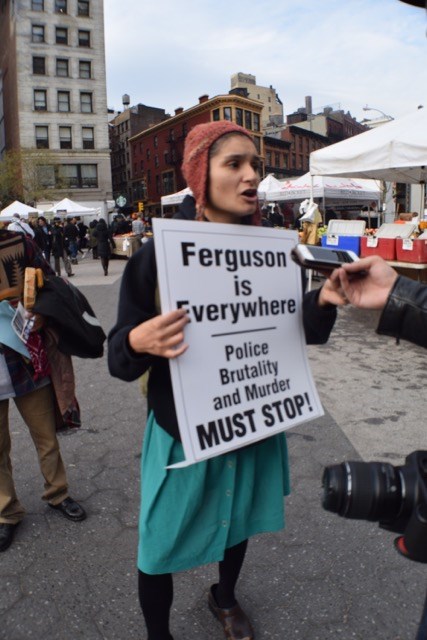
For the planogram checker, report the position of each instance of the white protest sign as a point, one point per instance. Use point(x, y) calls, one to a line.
point(245, 375)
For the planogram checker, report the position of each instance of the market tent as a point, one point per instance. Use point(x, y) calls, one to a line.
point(175, 198)
point(270, 184)
point(396, 152)
point(67, 207)
point(332, 188)
point(18, 207)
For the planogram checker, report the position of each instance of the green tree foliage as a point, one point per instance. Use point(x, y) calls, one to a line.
point(27, 175)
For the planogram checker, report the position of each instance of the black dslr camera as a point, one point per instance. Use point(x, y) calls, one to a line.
point(395, 497)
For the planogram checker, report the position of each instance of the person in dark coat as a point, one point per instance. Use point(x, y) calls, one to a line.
point(43, 236)
point(105, 243)
point(93, 242)
point(58, 249)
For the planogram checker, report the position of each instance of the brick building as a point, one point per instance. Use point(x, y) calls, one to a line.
point(123, 126)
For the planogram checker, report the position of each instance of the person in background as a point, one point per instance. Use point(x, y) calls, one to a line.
point(27, 382)
point(93, 242)
point(71, 237)
point(59, 250)
point(105, 245)
point(20, 226)
point(207, 511)
point(138, 226)
point(43, 237)
point(82, 230)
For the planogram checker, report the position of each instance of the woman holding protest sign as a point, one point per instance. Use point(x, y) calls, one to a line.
point(204, 512)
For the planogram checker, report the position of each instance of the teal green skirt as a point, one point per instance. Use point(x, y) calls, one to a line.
point(189, 516)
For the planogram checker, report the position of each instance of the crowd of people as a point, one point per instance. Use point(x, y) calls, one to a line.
point(181, 523)
point(63, 240)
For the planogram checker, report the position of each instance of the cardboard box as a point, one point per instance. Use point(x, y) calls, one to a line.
point(411, 250)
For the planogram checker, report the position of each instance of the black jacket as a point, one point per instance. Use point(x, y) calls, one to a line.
point(137, 304)
point(405, 314)
point(104, 238)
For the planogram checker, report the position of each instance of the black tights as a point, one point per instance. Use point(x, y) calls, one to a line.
point(104, 262)
point(156, 592)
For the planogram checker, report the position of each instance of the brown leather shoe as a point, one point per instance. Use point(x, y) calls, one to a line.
point(234, 621)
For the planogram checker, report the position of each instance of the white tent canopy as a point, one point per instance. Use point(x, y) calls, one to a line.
point(18, 207)
point(67, 207)
point(327, 187)
point(175, 198)
point(270, 184)
point(396, 152)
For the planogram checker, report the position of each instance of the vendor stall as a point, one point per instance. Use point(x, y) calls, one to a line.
point(126, 245)
point(394, 152)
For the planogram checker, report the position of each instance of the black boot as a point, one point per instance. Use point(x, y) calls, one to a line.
point(7, 531)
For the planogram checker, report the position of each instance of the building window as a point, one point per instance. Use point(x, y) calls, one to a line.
point(86, 102)
point(37, 5)
point(268, 158)
point(85, 69)
point(65, 141)
point(63, 101)
point(215, 115)
point(255, 121)
point(227, 113)
point(156, 142)
point(83, 8)
point(84, 38)
point(62, 67)
point(61, 35)
point(42, 137)
point(89, 175)
point(40, 100)
point(60, 6)
point(88, 138)
point(168, 184)
point(248, 119)
point(39, 66)
point(239, 117)
point(37, 33)
point(156, 160)
point(277, 160)
point(158, 184)
point(78, 176)
point(257, 144)
point(148, 154)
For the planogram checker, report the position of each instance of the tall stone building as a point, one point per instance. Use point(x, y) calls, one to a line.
point(53, 93)
point(272, 111)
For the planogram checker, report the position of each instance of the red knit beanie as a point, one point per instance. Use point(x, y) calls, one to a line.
point(195, 165)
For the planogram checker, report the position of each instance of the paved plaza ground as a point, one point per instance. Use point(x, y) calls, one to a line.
point(323, 578)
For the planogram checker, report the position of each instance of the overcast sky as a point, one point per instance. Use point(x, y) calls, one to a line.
point(346, 54)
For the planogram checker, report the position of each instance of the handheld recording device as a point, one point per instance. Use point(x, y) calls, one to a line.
point(313, 257)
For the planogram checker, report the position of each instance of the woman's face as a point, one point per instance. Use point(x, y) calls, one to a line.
point(233, 180)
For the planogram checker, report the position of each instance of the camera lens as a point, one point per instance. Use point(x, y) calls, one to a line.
point(363, 490)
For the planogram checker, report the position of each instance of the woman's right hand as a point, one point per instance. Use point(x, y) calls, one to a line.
point(162, 335)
